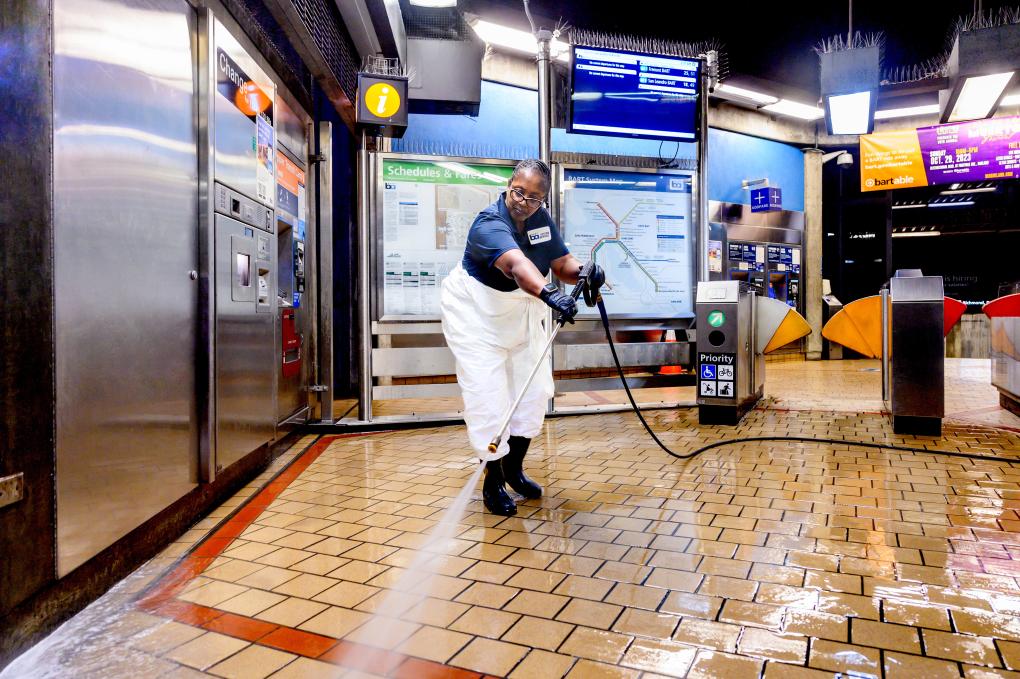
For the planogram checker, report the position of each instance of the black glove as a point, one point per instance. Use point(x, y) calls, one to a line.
point(565, 304)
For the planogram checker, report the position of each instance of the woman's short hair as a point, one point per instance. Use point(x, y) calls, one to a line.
point(536, 165)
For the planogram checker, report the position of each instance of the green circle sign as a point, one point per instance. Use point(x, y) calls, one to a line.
point(716, 318)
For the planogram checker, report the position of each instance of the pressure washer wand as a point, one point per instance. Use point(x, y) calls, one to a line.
point(582, 284)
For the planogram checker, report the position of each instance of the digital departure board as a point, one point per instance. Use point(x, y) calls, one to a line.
point(633, 94)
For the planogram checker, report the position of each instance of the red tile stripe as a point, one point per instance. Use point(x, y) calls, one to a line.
point(160, 599)
point(206, 551)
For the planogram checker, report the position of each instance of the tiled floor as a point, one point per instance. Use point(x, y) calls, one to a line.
point(755, 559)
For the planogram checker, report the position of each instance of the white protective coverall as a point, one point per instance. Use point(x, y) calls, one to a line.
point(497, 338)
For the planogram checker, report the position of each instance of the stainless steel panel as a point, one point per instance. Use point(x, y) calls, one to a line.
point(125, 223)
point(291, 129)
point(245, 347)
point(416, 391)
point(1005, 353)
point(917, 289)
point(364, 290)
point(582, 356)
point(740, 213)
point(763, 234)
point(433, 328)
point(416, 362)
point(613, 383)
point(324, 274)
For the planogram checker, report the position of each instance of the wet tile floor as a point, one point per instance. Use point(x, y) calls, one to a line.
point(755, 559)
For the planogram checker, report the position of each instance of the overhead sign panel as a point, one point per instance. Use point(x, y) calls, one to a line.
point(633, 94)
point(767, 199)
point(976, 150)
point(382, 103)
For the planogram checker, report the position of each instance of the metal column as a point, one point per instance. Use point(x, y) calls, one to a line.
point(364, 282)
point(884, 301)
point(324, 380)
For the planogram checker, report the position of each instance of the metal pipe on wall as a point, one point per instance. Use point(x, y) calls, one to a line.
point(364, 281)
point(544, 38)
point(701, 207)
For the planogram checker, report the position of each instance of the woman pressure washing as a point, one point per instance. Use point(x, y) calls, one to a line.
point(493, 313)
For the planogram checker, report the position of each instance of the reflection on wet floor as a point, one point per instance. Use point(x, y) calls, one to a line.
point(771, 559)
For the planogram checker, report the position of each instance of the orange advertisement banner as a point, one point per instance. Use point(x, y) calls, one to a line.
point(288, 175)
point(891, 160)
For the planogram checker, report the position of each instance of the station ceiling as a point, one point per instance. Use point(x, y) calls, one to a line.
point(772, 41)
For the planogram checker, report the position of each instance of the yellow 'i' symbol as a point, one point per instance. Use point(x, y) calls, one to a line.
point(382, 100)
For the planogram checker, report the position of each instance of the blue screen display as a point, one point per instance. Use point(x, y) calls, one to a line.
point(632, 94)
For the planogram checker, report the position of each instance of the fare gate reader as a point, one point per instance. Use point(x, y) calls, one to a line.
point(736, 328)
point(729, 374)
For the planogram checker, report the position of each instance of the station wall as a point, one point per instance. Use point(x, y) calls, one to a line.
point(507, 127)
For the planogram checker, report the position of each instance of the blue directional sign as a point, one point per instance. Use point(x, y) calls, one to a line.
point(707, 371)
point(766, 199)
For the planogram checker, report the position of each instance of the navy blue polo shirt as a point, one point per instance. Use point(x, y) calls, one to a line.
point(493, 233)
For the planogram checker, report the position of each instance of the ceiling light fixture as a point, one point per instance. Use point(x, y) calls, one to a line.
point(849, 77)
point(849, 113)
point(908, 206)
point(978, 96)
point(980, 67)
point(955, 192)
point(1010, 100)
point(907, 111)
point(959, 203)
point(726, 91)
point(795, 109)
point(434, 3)
point(516, 39)
point(915, 234)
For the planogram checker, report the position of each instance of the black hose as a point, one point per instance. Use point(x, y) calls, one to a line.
point(750, 439)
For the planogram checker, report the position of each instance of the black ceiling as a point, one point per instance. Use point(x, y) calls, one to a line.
point(770, 40)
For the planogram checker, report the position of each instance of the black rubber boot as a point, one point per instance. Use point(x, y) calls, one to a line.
point(513, 472)
point(494, 494)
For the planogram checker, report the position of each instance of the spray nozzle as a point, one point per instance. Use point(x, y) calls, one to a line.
point(584, 280)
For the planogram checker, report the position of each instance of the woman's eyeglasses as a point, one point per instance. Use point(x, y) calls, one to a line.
point(521, 198)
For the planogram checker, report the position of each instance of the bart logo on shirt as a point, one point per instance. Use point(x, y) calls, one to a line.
point(541, 235)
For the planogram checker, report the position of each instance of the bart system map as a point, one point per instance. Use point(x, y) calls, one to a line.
point(637, 226)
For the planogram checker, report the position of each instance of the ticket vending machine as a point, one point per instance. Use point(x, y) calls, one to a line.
point(244, 250)
point(783, 273)
point(292, 309)
point(746, 263)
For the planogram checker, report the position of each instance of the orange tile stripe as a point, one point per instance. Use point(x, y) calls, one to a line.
point(159, 599)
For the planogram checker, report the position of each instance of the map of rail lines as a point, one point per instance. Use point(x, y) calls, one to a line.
point(637, 226)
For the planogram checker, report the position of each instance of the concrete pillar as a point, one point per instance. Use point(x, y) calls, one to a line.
point(811, 275)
